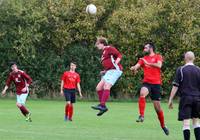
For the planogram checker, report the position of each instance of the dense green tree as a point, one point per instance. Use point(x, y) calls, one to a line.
point(43, 36)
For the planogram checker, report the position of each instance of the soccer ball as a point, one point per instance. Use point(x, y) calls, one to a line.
point(91, 9)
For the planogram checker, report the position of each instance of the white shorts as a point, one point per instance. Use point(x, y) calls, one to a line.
point(111, 76)
point(21, 99)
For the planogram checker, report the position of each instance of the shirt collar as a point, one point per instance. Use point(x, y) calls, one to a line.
point(190, 63)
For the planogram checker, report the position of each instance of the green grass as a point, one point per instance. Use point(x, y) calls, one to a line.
point(117, 124)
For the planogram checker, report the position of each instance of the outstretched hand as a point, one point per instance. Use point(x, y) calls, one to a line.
point(133, 69)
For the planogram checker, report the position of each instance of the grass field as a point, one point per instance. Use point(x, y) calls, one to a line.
point(117, 124)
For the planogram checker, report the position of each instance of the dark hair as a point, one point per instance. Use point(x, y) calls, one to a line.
point(73, 62)
point(12, 63)
point(151, 45)
point(102, 40)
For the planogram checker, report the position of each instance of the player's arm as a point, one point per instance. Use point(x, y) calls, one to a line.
point(79, 89)
point(175, 87)
point(3, 93)
point(61, 88)
point(157, 64)
point(135, 68)
point(8, 82)
point(28, 81)
point(172, 94)
point(117, 55)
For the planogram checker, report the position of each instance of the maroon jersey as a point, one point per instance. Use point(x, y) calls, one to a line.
point(106, 60)
point(20, 80)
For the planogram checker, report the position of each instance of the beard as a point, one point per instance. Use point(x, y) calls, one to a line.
point(146, 52)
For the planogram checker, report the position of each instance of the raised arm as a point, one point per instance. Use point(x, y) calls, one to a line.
point(135, 68)
point(157, 64)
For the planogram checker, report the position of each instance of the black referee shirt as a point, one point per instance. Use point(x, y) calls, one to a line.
point(187, 79)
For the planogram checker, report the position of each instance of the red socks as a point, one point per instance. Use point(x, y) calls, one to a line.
point(161, 118)
point(142, 104)
point(100, 94)
point(71, 110)
point(105, 97)
point(66, 110)
point(23, 110)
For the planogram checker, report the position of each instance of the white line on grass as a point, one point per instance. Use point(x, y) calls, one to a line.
point(31, 132)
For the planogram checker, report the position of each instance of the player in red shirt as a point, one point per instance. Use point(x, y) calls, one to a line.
point(22, 82)
point(70, 81)
point(151, 65)
point(110, 60)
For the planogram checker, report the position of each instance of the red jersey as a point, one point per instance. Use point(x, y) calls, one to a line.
point(70, 80)
point(106, 60)
point(20, 80)
point(152, 75)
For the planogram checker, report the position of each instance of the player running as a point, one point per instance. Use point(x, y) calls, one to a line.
point(22, 82)
point(151, 65)
point(110, 60)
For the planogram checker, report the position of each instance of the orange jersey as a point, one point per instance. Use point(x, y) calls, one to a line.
point(152, 75)
point(70, 80)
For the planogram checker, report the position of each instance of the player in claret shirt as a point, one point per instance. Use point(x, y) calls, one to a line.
point(22, 82)
point(70, 81)
point(110, 60)
point(151, 65)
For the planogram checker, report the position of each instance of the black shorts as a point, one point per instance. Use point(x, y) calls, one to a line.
point(70, 95)
point(189, 107)
point(154, 91)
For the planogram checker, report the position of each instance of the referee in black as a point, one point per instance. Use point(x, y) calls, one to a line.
point(187, 83)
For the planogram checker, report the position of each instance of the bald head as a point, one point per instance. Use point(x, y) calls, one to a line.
point(189, 56)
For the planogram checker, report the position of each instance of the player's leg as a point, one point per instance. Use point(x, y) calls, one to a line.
point(110, 79)
point(106, 93)
point(99, 89)
point(156, 97)
point(21, 100)
point(72, 101)
point(185, 114)
point(67, 105)
point(144, 91)
point(160, 115)
point(186, 129)
point(105, 97)
point(21, 104)
point(196, 127)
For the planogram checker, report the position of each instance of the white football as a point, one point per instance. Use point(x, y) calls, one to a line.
point(91, 9)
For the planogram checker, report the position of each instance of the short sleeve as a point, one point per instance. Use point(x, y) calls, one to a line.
point(115, 52)
point(178, 78)
point(159, 58)
point(62, 76)
point(78, 80)
point(141, 62)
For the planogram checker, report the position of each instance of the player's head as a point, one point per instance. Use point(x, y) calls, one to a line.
point(101, 43)
point(13, 66)
point(189, 57)
point(149, 47)
point(73, 66)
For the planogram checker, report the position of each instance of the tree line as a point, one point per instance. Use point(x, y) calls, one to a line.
point(43, 36)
